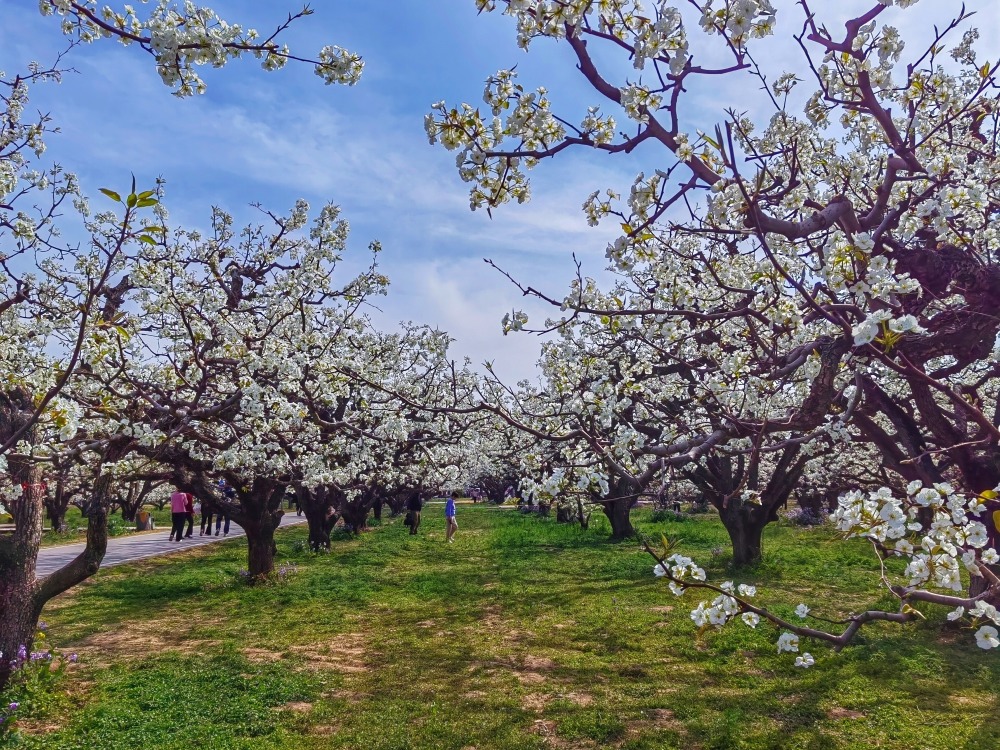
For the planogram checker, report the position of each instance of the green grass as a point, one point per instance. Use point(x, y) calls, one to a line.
point(522, 634)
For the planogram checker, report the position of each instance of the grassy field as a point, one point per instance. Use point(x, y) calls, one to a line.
point(521, 634)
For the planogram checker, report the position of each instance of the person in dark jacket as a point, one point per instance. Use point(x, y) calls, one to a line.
point(414, 505)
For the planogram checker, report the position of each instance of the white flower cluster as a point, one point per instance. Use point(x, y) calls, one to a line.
point(182, 38)
point(936, 551)
point(638, 101)
point(739, 20)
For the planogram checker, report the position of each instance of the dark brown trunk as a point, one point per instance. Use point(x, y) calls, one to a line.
point(355, 511)
point(619, 514)
point(261, 549)
point(21, 596)
point(56, 505)
point(315, 503)
point(355, 516)
point(57, 519)
point(256, 508)
point(18, 552)
point(746, 532)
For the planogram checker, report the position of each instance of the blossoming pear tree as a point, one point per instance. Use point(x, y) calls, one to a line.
point(372, 445)
point(232, 321)
point(63, 306)
point(843, 240)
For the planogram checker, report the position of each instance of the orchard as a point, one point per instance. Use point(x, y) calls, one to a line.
point(759, 421)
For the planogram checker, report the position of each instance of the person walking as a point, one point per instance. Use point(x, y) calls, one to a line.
point(449, 514)
point(206, 517)
point(413, 506)
point(223, 515)
point(189, 514)
point(178, 514)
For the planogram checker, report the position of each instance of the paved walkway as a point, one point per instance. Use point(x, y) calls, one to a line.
point(126, 549)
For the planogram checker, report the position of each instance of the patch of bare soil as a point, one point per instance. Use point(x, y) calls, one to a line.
point(491, 619)
point(660, 719)
point(539, 663)
point(297, 706)
point(36, 728)
point(529, 678)
point(543, 727)
point(547, 729)
point(133, 641)
point(261, 655)
point(535, 702)
point(663, 718)
point(346, 653)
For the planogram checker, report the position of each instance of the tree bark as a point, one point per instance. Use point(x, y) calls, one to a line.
point(746, 532)
point(315, 504)
point(618, 512)
point(260, 514)
point(978, 584)
point(18, 553)
point(21, 596)
point(623, 493)
point(261, 548)
point(57, 517)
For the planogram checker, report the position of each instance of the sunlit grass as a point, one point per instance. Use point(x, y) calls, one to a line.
point(522, 634)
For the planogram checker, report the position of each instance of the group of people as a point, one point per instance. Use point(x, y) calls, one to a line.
point(183, 509)
point(415, 506)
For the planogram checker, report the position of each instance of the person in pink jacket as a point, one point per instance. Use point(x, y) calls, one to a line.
point(178, 514)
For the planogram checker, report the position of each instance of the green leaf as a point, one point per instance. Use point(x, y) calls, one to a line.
point(131, 200)
point(111, 194)
point(146, 194)
point(147, 239)
point(144, 202)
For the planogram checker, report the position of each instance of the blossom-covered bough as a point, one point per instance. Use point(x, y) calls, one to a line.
point(180, 37)
point(828, 275)
point(955, 543)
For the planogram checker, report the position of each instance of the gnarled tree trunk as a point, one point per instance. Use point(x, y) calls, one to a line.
point(617, 506)
point(317, 504)
point(260, 514)
point(18, 553)
point(745, 527)
point(22, 597)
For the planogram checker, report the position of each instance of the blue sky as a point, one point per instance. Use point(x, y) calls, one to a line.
point(274, 137)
